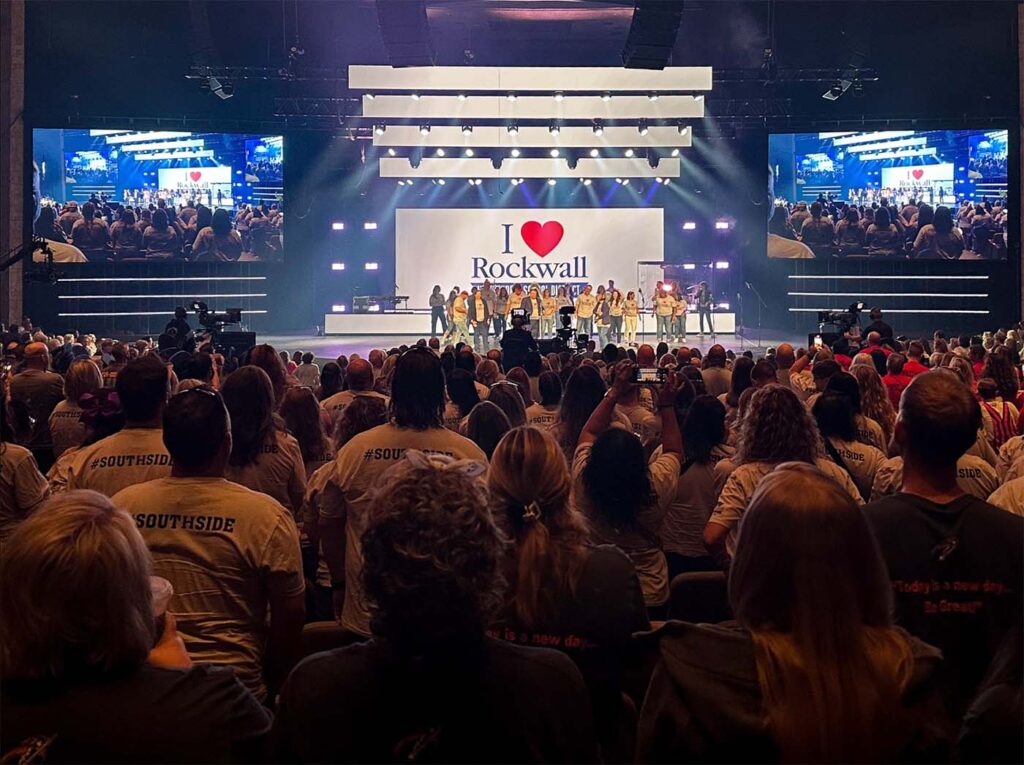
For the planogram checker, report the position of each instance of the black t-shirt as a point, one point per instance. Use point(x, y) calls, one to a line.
point(151, 715)
point(491, 702)
point(880, 327)
point(515, 344)
point(956, 573)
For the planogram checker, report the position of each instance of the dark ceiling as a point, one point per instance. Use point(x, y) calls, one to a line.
point(943, 59)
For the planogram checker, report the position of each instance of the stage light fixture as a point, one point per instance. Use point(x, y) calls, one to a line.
point(587, 181)
point(606, 96)
point(401, 182)
point(668, 287)
point(337, 266)
point(424, 129)
point(408, 181)
point(595, 153)
point(598, 128)
point(721, 264)
point(514, 181)
point(652, 96)
point(391, 152)
point(441, 181)
point(511, 96)
point(554, 130)
point(675, 152)
point(414, 96)
point(723, 306)
point(552, 181)
point(658, 179)
point(513, 129)
point(554, 153)
point(722, 225)
point(467, 130)
point(462, 96)
point(439, 152)
point(630, 152)
point(690, 225)
point(666, 181)
point(642, 127)
point(371, 266)
point(471, 182)
point(515, 152)
point(618, 181)
point(338, 226)
point(379, 129)
point(373, 307)
point(689, 266)
point(559, 96)
point(370, 226)
point(469, 152)
point(338, 308)
point(625, 181)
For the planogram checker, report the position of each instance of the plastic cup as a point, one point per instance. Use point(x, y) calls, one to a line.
point(162, 591)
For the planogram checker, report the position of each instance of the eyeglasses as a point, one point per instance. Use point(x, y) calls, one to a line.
point(206, 390)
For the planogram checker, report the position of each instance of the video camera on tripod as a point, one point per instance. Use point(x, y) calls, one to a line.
point(215, 322)
point(843, 320)
point(567, 339)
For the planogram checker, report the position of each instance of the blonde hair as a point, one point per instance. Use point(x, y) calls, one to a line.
point(809, 583)
point(83, 377)
point(530, 484)
point(874, 399)
point(75, 598)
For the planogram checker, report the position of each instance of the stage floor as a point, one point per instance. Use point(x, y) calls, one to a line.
point(330, 347)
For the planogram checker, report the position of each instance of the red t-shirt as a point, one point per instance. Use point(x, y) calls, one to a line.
point(914, 368)
point(895, 385)
point(843, 361)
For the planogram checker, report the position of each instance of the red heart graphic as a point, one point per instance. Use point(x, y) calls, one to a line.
point(542, 239)
point(195, 175)
point(917, 174)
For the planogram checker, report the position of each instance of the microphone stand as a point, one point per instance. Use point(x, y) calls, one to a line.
point(760, 304)
point(640, 311)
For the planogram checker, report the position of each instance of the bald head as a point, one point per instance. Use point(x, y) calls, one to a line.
point(359, 375)
point(785, 356)
point(874, 338)
point(645, 356)
point(939, 419)
point(37, 355)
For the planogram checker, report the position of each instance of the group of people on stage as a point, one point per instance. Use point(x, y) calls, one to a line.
point(188, 194)
point(903, 195)
point(913, 230)
point(475, 315)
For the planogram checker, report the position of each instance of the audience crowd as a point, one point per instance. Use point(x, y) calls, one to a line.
point(427, 554)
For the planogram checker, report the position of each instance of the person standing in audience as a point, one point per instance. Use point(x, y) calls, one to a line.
point(562, 590)
point(264, 457)
point(22, 486)
point(506, 396)
point(623, 497)
point(91, 677)
point(874, 403)
point(833, 414)
point(431, 685)
point(66, 430)
point(716, 376)
point(302, 417)
point(136, 453)
point(544, 412)
point(956, 562)
point(775, 428)
point(485, 426)
point(868, 430)
point(814, 670)
point(894, 379)
point(232, 554)
point(270, 361)
point(999, 417)
point(358, 382)
point(38, 390)
point(584, 390)
point(416, 413)
point(308, 372)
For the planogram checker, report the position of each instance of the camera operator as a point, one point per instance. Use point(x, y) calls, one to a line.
point(516, 342)
point(184, 338)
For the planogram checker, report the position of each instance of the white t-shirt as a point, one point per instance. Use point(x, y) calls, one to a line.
point(278, 471)
point(870, 432)
point(22, 486)
point(974, 476)
point(1008, 454)
point(317, 483)
point(308, 375)
point(228, 551)
point(585, 305)
point(646, 425)
point(1009, 497)
point(335, 405)
point(541, 416)
point(640, 545)
point(360, 464)
point(65, 429)
point(57, 475)
point(862, 460)
point(743, 481)
point(696, 495)
point(128, 457)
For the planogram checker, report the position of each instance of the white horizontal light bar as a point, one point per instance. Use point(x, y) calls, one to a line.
point(139, 313)
point(515, 79)
point(888, 310)
point(901, 277)
point(899, 144)
point(823, 136)
point(877, 136)
point(185, 143)
point(532, 107)
point(156, 135)
point(928, 152)
point(531, 167)
point(164, 279)
point(155, 297)
point(203, 154)
point(569, 136)
point(95, 133)
point(891, 294)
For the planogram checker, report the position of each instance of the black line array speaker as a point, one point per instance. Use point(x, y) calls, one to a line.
point(652, 34)
point(406, 33)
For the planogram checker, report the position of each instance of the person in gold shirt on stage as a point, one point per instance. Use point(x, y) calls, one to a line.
point(585, 305)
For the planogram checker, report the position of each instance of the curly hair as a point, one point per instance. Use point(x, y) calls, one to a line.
point(431, 559)
point(874, 400)
point(776, 427)
point(364, 413)
point(530, 485)
point(999, 367)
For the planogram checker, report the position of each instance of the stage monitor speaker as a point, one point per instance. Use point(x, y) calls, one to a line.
point(652, 34)
point(239, 342)
point(406, 32)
